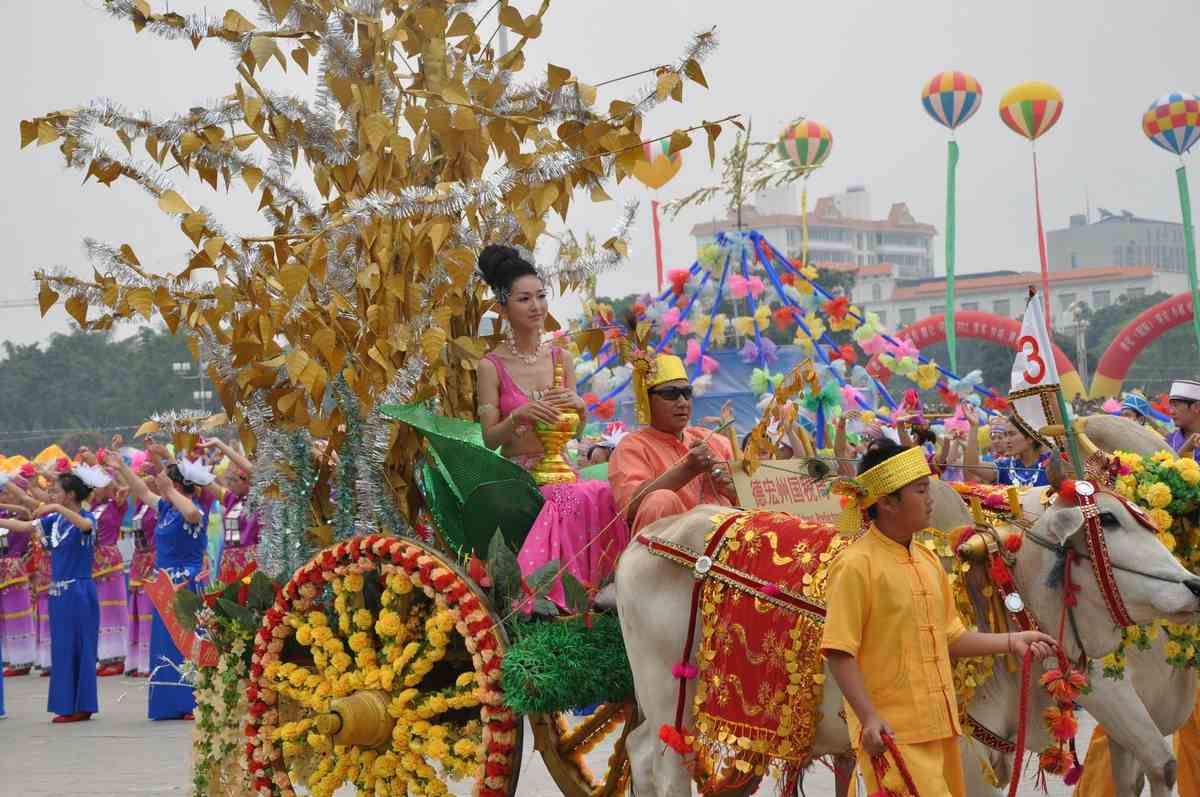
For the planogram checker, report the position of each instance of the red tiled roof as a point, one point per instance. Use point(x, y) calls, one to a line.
point(966, 285)
point(814, 220)
point(873, 270)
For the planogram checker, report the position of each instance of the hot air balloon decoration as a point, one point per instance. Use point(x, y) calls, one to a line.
point(1030, 109)
point(951, 98)
point(1173, 123)
point(656, 171)
point(806, 144)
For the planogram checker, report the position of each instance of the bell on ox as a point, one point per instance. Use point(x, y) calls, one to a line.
point(1013, 602)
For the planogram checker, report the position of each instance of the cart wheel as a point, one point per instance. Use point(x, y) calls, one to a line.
point(379, 666)
point(565, 740)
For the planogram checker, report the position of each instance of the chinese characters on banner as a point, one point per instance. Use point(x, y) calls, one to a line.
point(783, 486)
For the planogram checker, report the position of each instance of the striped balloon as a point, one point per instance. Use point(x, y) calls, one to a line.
point(951, 97)
point(1173, 121)
point(1031, 108)
point(806, 144)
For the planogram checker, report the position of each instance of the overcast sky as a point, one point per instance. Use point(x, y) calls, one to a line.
point(856, 65)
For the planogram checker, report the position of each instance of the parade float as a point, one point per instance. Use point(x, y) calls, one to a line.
point(384, 638)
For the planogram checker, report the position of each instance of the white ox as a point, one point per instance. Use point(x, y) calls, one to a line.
point(653, 622)
point(1153, 701)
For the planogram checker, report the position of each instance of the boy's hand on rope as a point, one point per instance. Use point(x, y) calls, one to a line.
point(873, 731)
point(1041, 645)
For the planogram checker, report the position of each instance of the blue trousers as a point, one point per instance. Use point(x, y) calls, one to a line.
point(170, 696)
point(74, 632)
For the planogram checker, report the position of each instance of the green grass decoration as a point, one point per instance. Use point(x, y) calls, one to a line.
point(561, 665)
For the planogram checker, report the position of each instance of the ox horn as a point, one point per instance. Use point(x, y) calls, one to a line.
point(1095, 460)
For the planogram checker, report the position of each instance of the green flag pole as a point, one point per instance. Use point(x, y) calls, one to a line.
point(1069, 432)
point(951, 169)
point(1185, 207)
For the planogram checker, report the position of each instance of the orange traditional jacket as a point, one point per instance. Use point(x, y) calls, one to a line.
point(648, 453)
point(891, 608)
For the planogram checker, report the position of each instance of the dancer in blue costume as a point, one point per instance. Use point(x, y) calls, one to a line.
point(74, 608)
point(180, 540)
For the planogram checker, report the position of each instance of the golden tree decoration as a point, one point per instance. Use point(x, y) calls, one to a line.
point(422, 145)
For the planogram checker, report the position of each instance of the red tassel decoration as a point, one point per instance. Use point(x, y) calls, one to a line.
point(1066, 491)
point(998, 572)
point(673, 738)
point(1012, 543)
point(1072, 777)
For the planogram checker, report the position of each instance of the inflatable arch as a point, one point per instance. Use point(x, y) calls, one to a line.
point(1136, 336)
point(987, 326)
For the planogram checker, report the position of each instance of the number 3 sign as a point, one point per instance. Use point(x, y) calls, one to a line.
point(1033, 359)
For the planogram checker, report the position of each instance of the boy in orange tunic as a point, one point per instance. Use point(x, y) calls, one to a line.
point(891, 629)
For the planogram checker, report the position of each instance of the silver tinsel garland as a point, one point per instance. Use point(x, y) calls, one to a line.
point(376, 508)
point(584, 267)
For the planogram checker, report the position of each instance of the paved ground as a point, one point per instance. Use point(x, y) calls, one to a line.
point(120, 752)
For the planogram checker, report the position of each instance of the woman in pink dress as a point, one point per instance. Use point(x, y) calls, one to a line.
point(108, 505)
point(17, 622)
point(141, 568)
point(240, 525)
point(579, 526)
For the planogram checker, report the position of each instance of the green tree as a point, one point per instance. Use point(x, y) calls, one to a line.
point(87, 384)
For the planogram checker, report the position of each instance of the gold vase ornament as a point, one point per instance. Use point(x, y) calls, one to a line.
point(553, 467)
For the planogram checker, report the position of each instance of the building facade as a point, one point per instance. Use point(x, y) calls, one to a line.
point(900, 302)
point(840, 230)
point(1117, 239)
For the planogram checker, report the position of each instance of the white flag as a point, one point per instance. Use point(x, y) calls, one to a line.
point(1034, 372)
point(1034, 366)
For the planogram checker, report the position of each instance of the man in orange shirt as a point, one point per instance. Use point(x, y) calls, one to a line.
point(891, 628)
point(668, 467)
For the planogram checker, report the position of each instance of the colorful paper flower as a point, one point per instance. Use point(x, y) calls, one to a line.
point(762, 316)
point(966, 385)
point(902, 348)
point(678, 278)
point(743, 325)
point(709, 257)
point(760, 378)
point(926, 376)
point(738, 286)
point(783, 317)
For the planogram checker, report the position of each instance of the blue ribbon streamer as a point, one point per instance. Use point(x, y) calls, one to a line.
point(711, 317)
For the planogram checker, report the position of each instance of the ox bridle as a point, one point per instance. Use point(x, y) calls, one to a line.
point(1103, 568)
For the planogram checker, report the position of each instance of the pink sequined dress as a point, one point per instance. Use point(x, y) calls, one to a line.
point(108, 574)
point(141, 611)
point(579, 525)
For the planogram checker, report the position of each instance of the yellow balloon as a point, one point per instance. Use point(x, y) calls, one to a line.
point(658, 172)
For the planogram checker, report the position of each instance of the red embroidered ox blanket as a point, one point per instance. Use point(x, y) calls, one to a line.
point(761, 675)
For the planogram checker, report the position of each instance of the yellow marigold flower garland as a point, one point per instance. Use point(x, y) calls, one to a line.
point(394, 652)
point(1169, 487)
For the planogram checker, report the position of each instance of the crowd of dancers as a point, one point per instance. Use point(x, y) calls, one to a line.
point(79, 542)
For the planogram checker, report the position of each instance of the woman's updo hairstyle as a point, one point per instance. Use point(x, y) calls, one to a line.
point(501, 266)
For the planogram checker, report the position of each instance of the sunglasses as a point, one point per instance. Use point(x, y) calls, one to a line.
point(672, 393)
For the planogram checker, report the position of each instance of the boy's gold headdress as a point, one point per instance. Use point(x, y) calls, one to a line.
point(861, 493)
